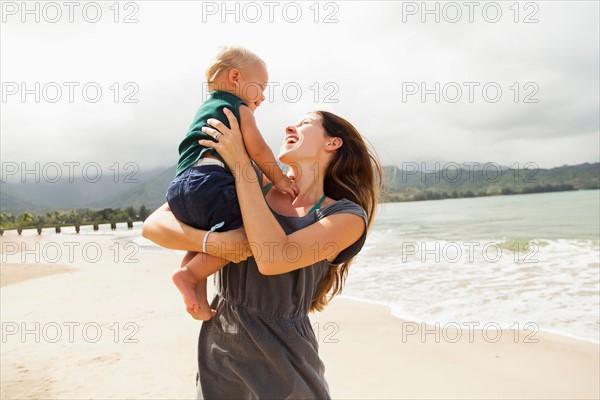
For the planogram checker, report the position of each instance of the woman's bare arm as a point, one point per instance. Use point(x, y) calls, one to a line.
point(165, 230)
point(278, 253)
point(274, 251)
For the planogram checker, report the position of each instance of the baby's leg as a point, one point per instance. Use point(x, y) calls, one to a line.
point(183, 280)
point(191, 282)
point(187, 258)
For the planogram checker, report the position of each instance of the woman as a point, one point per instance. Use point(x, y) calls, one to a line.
point(260, 343)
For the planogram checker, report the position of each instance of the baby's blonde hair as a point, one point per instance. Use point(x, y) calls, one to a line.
point(231, 57)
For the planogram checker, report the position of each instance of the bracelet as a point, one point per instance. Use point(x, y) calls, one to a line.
point(214, 228)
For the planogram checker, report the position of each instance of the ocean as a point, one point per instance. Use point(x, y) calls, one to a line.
point(513, 262)
point(522, 261)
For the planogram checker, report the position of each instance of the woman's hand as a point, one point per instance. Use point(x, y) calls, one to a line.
point(229, 142)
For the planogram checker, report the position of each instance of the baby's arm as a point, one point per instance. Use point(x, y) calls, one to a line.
point(261, 154)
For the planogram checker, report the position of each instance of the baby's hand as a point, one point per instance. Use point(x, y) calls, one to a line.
point(287, 186)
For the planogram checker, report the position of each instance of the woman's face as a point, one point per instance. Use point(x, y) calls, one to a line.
point(304, 141)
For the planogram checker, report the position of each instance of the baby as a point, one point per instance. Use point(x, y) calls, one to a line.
point(203, 192)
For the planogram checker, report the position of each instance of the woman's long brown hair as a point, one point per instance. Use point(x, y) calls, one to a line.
point(354, 173)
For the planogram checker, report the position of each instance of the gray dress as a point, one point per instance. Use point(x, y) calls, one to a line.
point(260, 345)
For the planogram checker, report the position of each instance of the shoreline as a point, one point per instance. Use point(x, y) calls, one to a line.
point(12, 274)
point(15, 273)
point(414, 319)
point(396, 309)
point(554, 367)
point(116, 328)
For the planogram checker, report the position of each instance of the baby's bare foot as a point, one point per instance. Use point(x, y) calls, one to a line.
point(201, 316)
point(204, 313)
point(186, 282)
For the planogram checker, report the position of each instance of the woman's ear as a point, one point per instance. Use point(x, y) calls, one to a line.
point(333, 143)
point(234, 76)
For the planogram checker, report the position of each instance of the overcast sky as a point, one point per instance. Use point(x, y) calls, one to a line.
point(369, 64)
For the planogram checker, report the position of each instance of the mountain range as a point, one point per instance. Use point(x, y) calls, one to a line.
point(400, 185)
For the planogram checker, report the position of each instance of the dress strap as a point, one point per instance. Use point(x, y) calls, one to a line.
point(268, 186)
point(318, 205)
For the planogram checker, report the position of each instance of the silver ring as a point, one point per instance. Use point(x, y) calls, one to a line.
point(216, 137)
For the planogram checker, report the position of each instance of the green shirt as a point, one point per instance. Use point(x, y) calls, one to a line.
point(190, 150)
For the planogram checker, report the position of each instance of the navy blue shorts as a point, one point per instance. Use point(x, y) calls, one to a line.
point(205, 196)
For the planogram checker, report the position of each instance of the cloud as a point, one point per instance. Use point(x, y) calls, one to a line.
point(358, 67)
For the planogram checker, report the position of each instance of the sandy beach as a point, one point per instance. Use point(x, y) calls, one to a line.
point(92, 317)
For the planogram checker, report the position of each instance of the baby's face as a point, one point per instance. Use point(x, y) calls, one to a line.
point(253, 82)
